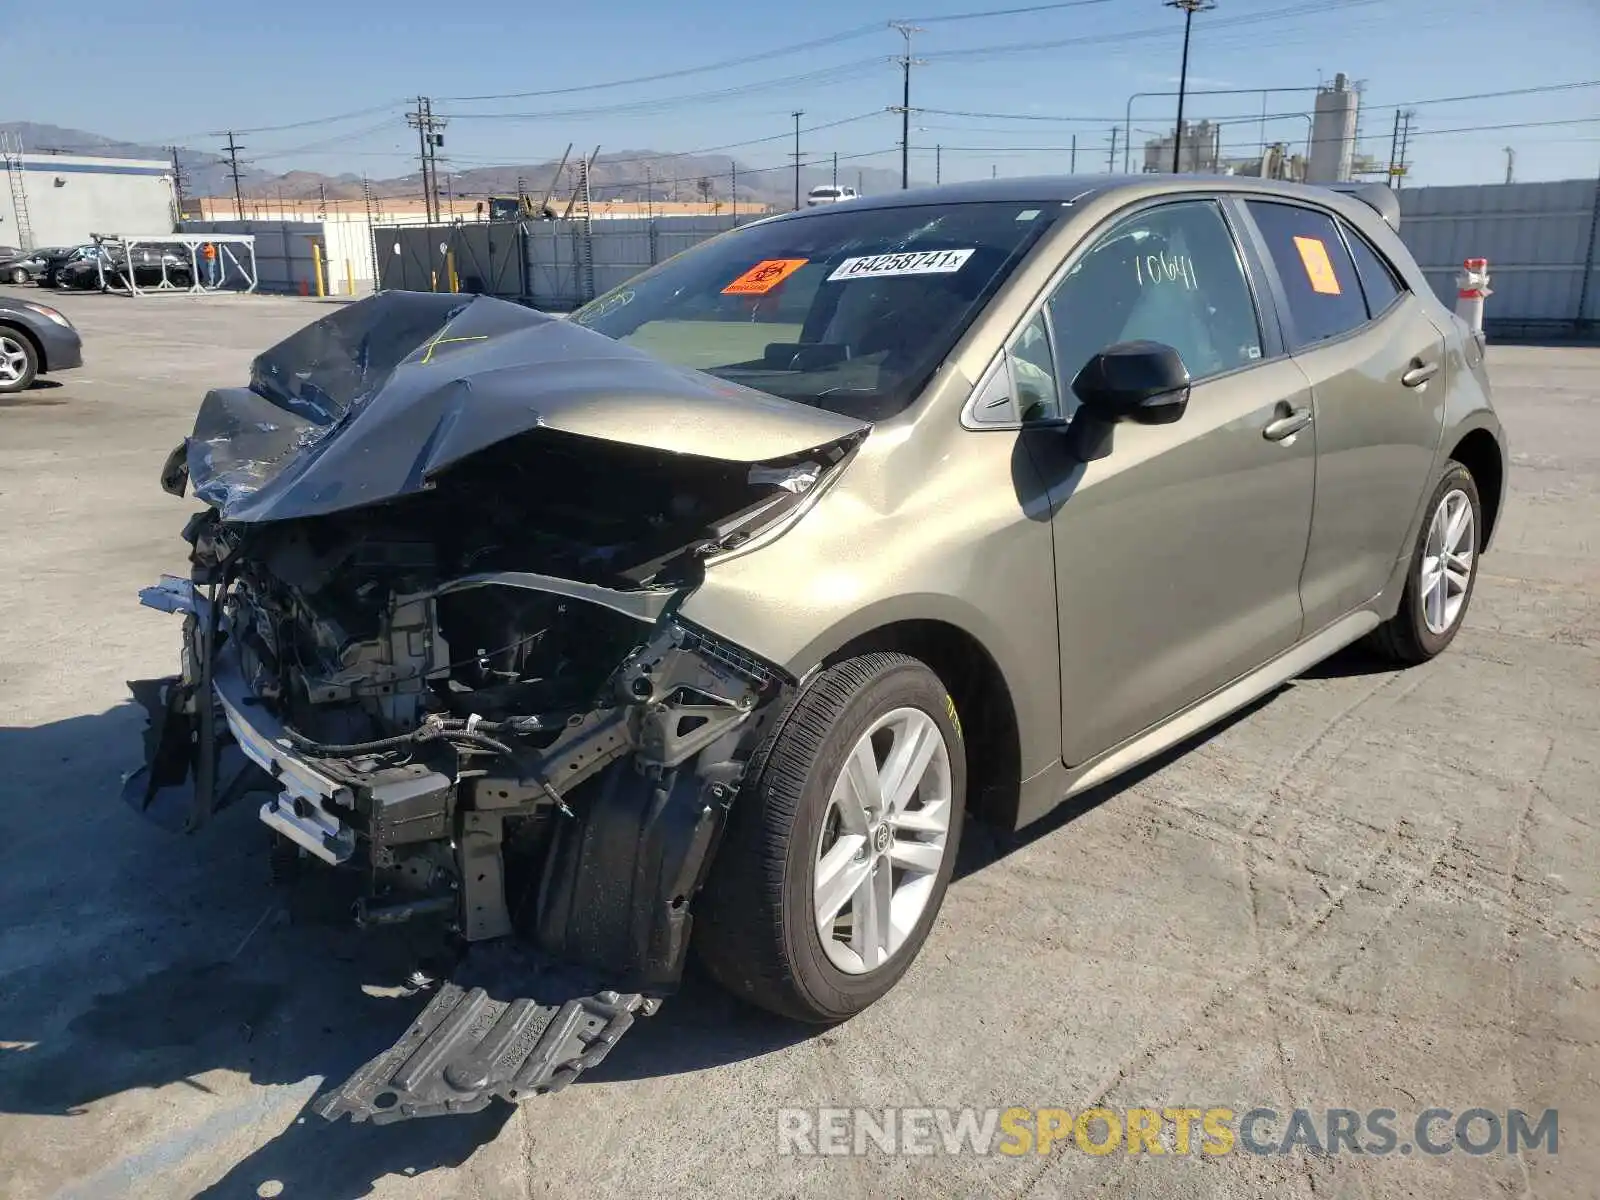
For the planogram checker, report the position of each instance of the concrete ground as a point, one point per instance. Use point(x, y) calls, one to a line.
point(1376, 889)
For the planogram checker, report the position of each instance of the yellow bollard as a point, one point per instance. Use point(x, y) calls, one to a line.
point(349, 279)
point(316, 262)
point(450, 266)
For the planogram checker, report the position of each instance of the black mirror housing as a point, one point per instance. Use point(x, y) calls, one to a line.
point(1142, 381)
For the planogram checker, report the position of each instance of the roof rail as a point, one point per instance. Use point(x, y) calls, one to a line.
point(1379, 197)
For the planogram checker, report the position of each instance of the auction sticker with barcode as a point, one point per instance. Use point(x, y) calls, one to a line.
point(920, 262)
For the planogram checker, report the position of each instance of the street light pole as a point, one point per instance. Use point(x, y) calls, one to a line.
point(1189, 8)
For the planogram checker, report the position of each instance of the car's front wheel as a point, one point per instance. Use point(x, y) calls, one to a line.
point(1444, 568)
point(19, 275)
point(840, 843)
point(18, 361)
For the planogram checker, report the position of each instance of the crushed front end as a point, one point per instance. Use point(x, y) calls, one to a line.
point(467, 686)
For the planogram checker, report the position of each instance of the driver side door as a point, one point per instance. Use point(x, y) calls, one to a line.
point(1178, 554)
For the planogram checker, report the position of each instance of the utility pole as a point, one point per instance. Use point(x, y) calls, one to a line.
point(1511, 164)
point(429, 139)
point(1405, 141)
point(1394, 149)
point(1188, 8)
point(1111, 159)
point(733, 187)
point(1073, 170)
point(177, 182)
point(322, 200)
point(938, 164)
point(233, 169)
point(372, 240)
point(905, 30)
point(798, 113)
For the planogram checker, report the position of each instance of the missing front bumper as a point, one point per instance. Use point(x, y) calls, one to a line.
point(642, 785)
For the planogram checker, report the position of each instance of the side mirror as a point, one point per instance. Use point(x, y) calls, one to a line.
point(1145, 382)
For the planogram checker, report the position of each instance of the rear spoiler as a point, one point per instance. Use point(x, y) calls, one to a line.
point(1379, 197)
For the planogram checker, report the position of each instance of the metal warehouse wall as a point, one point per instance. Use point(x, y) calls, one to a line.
point(69, 197)
point(549, 264)
point(568, 265)
point(1540, 240)
point(283, 251)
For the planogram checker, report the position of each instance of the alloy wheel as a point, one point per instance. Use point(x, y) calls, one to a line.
point(1447, 560)
point(883, 840)
point(13, 360)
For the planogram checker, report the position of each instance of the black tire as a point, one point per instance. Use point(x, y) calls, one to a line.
point(19, 275)
point(30, 360)
point(755, 929)
point(1405, 638)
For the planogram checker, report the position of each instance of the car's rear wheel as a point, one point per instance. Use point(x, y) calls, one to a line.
point(19, 362)
point(1444, 568)
point(840, 844)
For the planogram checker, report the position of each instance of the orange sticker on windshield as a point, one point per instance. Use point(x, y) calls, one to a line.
point(1319, 267)
point(764, 276)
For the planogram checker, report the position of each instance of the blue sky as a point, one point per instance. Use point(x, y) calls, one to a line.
point(252, 66)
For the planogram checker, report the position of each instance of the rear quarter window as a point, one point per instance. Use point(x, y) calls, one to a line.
point(1319, 279)
point(1378, 280)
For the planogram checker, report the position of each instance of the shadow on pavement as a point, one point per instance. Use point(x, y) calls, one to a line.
point(138, 959)
point(982, 846)
point(142, 960)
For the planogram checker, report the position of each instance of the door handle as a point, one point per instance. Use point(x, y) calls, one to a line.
point(1288, 425)
point(1419, 373)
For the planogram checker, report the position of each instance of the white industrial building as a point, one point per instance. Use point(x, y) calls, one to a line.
point(60, 199)
point(1329, 154)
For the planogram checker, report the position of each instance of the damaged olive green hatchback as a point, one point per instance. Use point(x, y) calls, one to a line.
point(711, 613)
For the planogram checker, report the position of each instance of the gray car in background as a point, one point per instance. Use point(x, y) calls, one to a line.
point(35, 339)
point(710, 614)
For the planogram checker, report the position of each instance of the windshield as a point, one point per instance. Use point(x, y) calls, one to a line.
point(849, 309)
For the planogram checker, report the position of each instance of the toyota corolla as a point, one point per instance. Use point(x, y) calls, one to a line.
point(708, 616)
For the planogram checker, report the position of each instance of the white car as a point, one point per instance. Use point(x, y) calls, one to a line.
point(828, 193)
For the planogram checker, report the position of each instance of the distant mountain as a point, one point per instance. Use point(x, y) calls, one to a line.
point(624, 175)
point(203, 173)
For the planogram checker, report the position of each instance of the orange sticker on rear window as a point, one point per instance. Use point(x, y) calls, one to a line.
point(764, 276)
point(1319, 267)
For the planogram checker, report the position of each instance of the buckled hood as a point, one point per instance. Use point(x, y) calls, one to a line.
point(370, 403)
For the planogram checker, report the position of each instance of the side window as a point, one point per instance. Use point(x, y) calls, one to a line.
point(1033, 373)
point(1377, 277)
point(1170, 274)
point(1318, 277)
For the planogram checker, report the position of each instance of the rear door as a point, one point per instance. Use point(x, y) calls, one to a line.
point(1375, 362)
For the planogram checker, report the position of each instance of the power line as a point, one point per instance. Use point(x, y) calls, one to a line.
point(721, 65)
point(832, 39)
point(1005, 12)
point(1095, 39)
point(820, 75)
point(1507, 125)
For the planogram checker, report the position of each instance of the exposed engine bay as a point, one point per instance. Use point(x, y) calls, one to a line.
point(469, 687)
